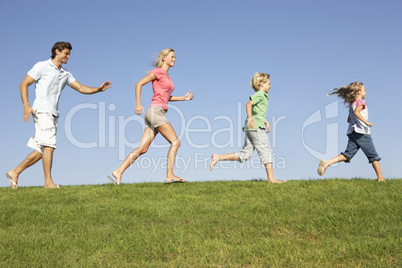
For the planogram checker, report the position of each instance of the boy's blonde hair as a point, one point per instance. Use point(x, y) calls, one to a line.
point(348, 93)
point(164, 53)
point(257, 79)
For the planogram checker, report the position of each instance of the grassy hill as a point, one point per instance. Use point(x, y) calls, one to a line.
point(324, 223)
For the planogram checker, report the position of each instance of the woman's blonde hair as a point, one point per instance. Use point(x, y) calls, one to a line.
point(164, 53)
point(257, 79)
point(347, 93)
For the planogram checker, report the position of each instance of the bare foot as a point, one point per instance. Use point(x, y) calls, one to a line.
point(381, 180)
point(117, 176)
point(214, 160)
point(322, 167)
point(13, 179)
point(51, 186)
point(172, 179)
point(276, 181)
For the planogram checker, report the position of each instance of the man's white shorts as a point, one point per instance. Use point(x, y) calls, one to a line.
point(45, 132)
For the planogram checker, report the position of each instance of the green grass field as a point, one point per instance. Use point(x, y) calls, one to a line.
point(324, 223)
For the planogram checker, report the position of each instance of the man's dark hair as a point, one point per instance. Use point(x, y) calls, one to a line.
point(60, 46)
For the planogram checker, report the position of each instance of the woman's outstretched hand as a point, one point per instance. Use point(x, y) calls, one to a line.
point(189, 96)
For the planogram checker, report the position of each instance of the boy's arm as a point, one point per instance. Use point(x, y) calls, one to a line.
point(24, 97)
point(360, 117)
point(249, 107)
point(187, 97)
point(90, 90)
point(268, 126)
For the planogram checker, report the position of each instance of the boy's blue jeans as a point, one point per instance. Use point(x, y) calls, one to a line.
point(363, 141)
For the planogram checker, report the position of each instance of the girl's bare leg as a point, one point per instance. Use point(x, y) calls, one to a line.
point(169, 134)
point(337, 159)
point(377, 168)
point(219, 157)
point(147, 137)
point(325, 164)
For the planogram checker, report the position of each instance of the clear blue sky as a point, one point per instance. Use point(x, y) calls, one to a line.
point(308, 47)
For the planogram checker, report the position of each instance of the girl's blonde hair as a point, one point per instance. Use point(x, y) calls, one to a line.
point(164, 53)
point(347, 93)
point(257, 79)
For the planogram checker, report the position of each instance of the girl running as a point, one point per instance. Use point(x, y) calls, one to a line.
point(358, 131)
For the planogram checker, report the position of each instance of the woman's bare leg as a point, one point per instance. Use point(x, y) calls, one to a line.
point(147, 137)
point(169, 134)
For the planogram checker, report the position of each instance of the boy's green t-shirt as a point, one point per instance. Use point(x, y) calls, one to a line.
point(259, 110)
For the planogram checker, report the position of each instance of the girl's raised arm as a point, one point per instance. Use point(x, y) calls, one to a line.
point(360, 117)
